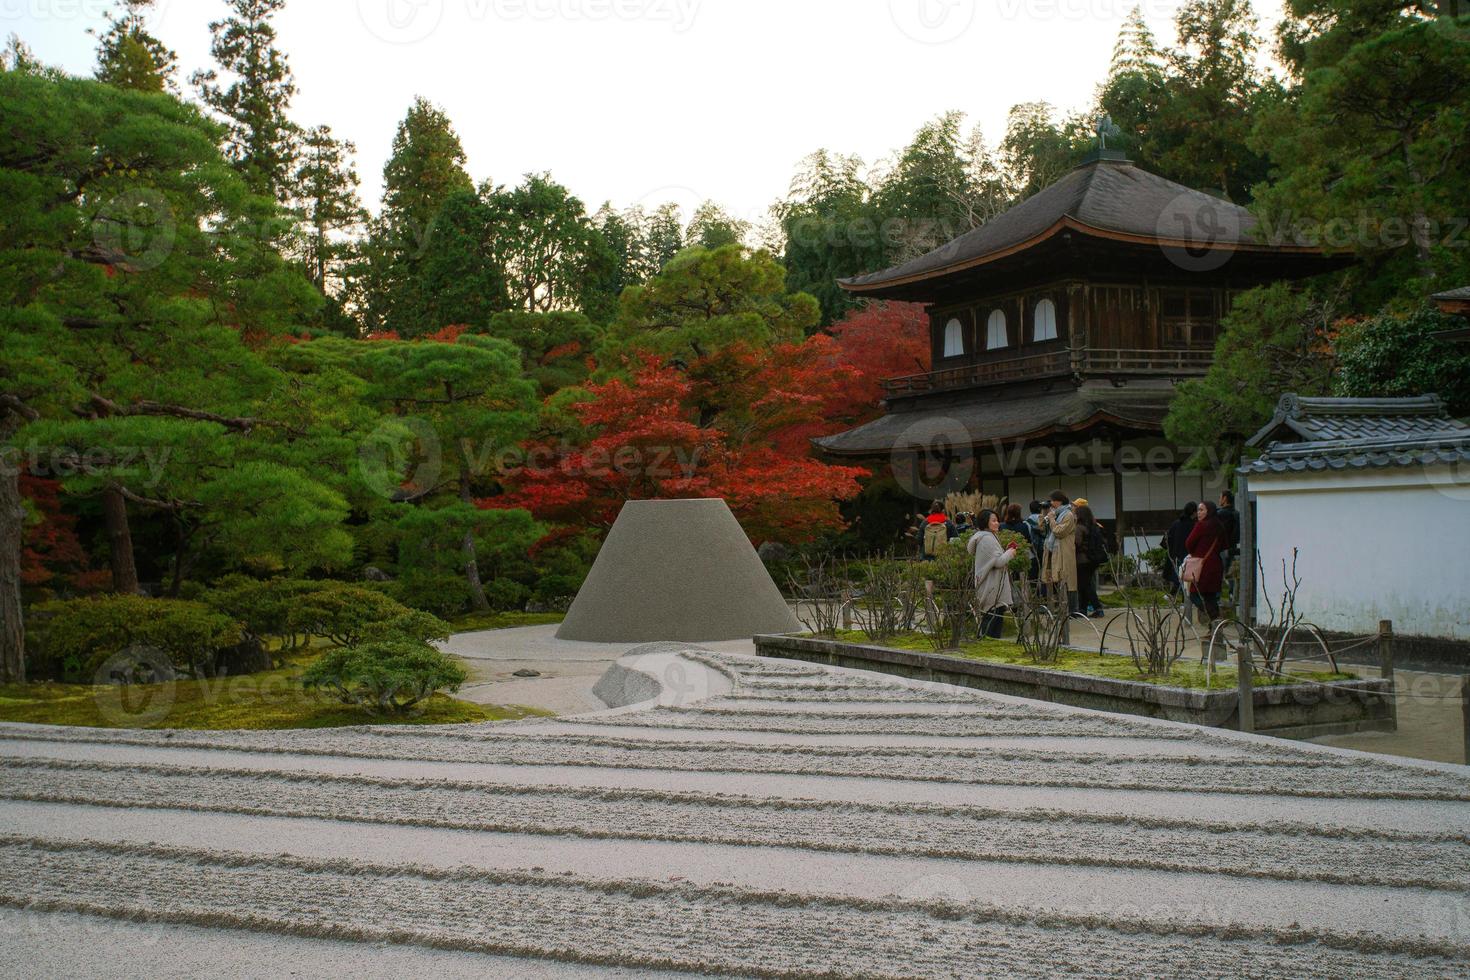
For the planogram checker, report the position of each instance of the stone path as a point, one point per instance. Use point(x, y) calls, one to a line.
point(755, 818)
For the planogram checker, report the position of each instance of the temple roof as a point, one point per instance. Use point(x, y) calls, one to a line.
point(1006, 419)
point(1104, 198)
point(1308, 434)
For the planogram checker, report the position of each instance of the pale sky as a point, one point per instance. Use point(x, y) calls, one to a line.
point(644, 101)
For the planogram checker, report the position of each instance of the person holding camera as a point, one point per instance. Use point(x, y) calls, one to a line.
point(1059, 560)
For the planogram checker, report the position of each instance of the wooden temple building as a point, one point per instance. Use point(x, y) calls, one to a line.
point(1059, 331)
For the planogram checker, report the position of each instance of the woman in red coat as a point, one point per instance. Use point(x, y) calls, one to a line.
point(1207, 542)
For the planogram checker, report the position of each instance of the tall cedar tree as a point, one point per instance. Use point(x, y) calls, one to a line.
point(427, 165)
point(261, 139)
point(1187, 113)
point(422, 176)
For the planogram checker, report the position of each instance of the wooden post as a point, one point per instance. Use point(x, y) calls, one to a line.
point(1465, 713)
point(1120, 514)
point(1246, 561)
point(1385, 649)
point(1246, 711)
point(846, 609)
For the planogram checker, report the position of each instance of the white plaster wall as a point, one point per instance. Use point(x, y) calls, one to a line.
point(1384, 544)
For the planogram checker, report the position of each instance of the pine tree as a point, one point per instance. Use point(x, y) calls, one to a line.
point(325, 188)
point(262, 140)
point(129, 57)
point(1375, 143)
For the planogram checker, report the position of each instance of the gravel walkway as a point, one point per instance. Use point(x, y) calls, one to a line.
point(757, 818)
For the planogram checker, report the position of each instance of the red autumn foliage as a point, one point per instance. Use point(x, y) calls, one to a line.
point(556, 353)
point(846, 370)
point(880, 340)
point(51, 555)
point(721, 429)
point(445, 335)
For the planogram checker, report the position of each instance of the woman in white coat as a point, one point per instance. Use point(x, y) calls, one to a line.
point(992, 576)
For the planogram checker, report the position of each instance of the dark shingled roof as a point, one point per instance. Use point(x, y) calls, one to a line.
point(1463, 293)
point(1313, 434)
point(1110, 197)
point(1003, 419)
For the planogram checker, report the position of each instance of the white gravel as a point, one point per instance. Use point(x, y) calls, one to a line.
point(757, 818)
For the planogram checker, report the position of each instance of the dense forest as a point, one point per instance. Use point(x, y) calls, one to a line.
point(217, 365)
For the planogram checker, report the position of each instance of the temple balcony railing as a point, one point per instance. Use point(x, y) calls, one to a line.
point(1081, 362)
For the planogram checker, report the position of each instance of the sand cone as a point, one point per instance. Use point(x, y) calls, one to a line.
point(676, 570)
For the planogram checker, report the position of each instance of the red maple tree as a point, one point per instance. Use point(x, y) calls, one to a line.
point(721, 428)
point(878, 341)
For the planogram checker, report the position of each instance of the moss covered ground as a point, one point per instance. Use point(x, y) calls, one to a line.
point(265, 700)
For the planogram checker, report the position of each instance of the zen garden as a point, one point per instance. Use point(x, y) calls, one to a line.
point(814, 521)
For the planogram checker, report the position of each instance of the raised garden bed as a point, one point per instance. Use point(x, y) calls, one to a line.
point(1287, 710)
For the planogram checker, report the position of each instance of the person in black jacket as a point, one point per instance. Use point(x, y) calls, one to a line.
point(1173, 542)
point(1230, 517)
point(1092, 552)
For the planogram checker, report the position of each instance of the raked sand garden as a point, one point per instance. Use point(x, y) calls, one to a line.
point(741, 815)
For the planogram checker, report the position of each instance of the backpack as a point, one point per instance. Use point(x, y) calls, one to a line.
point(935, 537)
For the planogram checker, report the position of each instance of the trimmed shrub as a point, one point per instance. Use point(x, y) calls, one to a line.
point(75, 637)
point(411, 624)
point(263, 607)
point(556, 588)
point(506, 595)
point(342, 613)
point(442, 595)
point(385, 677)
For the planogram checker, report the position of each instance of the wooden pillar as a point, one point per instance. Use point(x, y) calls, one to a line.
point(1246, 711)
point(1385, 649)
point(1246, 593)
point(1385, 666)
point(1120, 514)
point(1465, 713)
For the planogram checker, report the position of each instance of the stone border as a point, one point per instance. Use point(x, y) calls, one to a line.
point(1283, 710)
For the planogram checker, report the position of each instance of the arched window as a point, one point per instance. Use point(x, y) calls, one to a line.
point(995, 330)
point(954, 338)
point(1046, 321)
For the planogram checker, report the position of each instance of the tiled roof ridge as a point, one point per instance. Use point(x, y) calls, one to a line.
point(1412, 405)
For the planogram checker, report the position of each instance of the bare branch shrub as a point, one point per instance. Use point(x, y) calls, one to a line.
point(892, 595)
point(820, 592)
point(1152, 621)
point(952, 602)
point(1041, 621)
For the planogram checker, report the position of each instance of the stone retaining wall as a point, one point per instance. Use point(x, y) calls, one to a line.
point(1285, 710)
